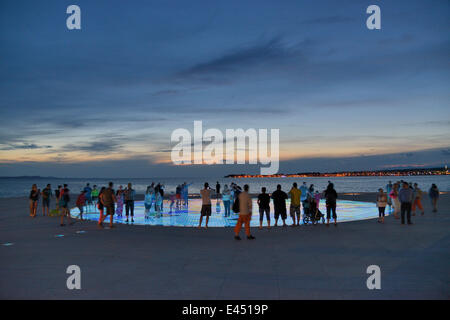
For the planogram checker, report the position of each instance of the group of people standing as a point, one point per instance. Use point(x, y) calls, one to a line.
point(304, 196)
point(401, 197)
point(108, 201)
point(404, 198)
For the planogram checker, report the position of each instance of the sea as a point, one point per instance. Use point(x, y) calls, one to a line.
point(21, 186)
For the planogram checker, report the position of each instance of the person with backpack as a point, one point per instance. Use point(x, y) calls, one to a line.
point(330, 196)
point(279, 202)
point(245, 214)
point(46, 194)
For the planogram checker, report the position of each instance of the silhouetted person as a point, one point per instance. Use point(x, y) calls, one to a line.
point(279, 202)
point(330, 196)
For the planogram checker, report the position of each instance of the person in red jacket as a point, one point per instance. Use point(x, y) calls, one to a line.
point(81, 202)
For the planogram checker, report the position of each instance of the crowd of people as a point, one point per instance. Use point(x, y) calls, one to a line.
point(404, 198)
point(304, 196)
point(401, 198)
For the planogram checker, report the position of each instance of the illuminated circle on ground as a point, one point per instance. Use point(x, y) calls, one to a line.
point(189, 216)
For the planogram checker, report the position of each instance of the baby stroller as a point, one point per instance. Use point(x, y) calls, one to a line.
point(312, 214)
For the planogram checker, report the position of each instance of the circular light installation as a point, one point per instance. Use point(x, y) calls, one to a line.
point(188, 216)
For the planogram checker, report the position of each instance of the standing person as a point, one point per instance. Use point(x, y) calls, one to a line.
point(317, 198)
point(330, 201)
point(64, 199)
point(178, 196)
point(279, 202)
point(108, 199)
point(217, 190)
point(34, 198)
point(119, 197)
point(148, 200)
point(294, 209)
point(158, 201)
point(172, 201)
point(100, 206)
point(434, 196)
point(381, 204)
point(405, 196)
point(417, 200)
point(88, 194)
point(206, 205)
point(186, 193)
point(161, 192)
point(245, 214)
point(311, 190)
point(394, 196)
point(81, 202)
point(388, 193)
point(264, 207)
point(304, 197)
point(226, 198)
point(57, 191)
point(129, 201)
point(95, 194)
point(46, 194)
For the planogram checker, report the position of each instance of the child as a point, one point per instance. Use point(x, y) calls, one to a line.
point(81, 202)
point(317, 198)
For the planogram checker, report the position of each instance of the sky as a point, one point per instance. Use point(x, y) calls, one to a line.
point(103, 101)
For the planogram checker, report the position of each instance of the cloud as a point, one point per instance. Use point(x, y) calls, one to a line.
point(27, 146)
point(105, 146)
point(260, 55)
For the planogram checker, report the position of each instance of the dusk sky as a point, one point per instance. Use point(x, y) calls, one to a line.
point(103, 101)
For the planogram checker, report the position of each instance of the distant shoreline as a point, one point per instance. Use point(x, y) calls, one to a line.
point(377, 173)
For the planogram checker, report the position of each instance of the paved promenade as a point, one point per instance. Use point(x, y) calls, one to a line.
point(140, 262)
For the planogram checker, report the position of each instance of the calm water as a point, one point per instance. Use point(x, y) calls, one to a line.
point(14, 187)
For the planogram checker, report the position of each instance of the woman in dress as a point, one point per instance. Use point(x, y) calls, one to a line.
point(396, 202)
point(119, 197)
